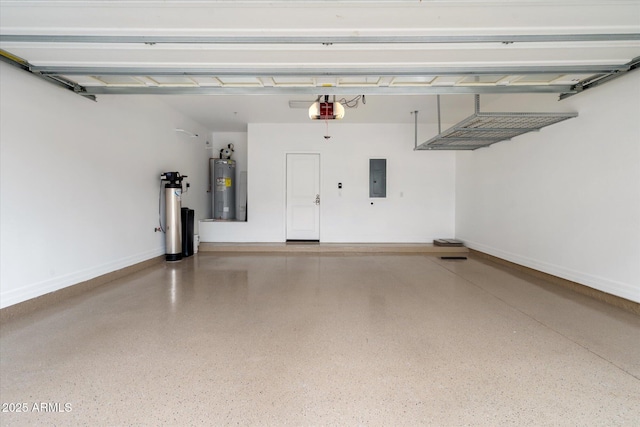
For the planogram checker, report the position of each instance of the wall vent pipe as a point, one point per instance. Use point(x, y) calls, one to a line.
point(415, 120)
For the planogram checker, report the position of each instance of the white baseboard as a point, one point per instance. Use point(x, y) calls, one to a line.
point(613, 287)
point(15, 296)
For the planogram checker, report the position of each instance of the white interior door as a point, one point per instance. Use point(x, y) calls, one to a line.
point(303, 197)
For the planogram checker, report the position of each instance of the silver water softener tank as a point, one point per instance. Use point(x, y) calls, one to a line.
point(173, 223)
point(224, 189)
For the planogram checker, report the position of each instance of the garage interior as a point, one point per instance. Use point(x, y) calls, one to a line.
point(511, 126)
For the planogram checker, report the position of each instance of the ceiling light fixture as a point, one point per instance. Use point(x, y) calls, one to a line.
point(326, 110)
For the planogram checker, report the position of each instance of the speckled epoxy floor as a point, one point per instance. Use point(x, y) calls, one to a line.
point(397, 340)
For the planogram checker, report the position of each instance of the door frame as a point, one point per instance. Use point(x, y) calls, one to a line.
point(284, 191)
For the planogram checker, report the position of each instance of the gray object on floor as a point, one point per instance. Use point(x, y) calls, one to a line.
point(448, 242)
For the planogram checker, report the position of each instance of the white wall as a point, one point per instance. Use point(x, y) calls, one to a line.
point(80, 182)
point(566, 200)
point(420, 185)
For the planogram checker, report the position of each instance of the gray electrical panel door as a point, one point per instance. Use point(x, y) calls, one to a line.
point(377, 177)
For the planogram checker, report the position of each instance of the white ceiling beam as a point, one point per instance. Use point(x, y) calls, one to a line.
point(328, 90)
point(323, 39)
point(318, 17)
point(396, 71)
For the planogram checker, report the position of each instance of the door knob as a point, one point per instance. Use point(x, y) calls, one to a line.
point(317, 199)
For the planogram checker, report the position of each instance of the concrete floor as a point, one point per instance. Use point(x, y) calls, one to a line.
point(397, 340)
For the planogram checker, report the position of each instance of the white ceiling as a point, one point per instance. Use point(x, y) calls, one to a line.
point(292, 20)
point(232, 113)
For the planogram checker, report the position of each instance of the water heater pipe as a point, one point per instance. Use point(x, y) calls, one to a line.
point(415, 117)
point(439, 127)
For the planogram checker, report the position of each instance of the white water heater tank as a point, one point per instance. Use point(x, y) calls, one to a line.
point(224, 189)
